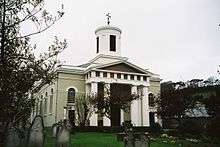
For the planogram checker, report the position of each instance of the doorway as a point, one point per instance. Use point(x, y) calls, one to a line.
point(71, 116)
point(152, 118)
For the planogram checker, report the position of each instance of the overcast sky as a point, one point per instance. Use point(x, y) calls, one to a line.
point(178, 39)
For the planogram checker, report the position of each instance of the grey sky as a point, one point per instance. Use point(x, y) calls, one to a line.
point(178, 39)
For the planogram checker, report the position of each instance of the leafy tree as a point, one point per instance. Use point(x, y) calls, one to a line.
point(84, 109)
point(211, 81)
point(212, 104)
point(20, 69)
point(176, 100)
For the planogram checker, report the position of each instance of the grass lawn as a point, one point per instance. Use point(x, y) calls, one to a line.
point(95, 139)
point(90, 139)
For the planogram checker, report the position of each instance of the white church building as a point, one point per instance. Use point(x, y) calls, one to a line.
point(108, 69)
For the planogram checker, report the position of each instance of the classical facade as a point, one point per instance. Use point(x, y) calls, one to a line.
point(108, 71)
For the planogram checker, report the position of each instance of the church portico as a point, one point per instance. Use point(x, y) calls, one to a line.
point(138, 114)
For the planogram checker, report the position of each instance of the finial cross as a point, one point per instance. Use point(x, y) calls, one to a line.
point(108, 18)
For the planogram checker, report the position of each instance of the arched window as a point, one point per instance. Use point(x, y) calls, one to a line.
point(151, 99)
point(71, 95)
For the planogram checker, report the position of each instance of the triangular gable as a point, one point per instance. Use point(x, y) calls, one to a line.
point(122, 67)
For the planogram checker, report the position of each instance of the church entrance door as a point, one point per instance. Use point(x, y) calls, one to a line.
point(71, 116)
point(118, 91)
point(152, 118)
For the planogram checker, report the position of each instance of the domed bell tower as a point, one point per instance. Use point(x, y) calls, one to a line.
point(108, 39)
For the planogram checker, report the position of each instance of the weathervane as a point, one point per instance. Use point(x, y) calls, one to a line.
point(108, 18)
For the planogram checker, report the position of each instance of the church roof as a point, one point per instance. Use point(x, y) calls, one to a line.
point(108, 28)
point(123, 66)
point(118, 64)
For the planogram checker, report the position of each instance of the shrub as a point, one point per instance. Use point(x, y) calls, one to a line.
point(156, 128)
point(190, 127)
point(213, 128)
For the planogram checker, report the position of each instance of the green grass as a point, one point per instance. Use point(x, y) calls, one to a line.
point(95, 139)
point(90, 139)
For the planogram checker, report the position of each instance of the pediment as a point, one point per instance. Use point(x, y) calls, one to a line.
point(122, 67)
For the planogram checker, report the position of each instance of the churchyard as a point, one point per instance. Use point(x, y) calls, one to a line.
point(97, 139)
point(63, 135)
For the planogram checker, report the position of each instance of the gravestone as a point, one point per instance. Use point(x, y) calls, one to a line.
point(12, 138)
point(129, 140)
point(54, 130)
point(142, 141)
point(36, 133)
point(63, 135)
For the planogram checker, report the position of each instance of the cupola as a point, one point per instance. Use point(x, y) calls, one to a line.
point(108, 40)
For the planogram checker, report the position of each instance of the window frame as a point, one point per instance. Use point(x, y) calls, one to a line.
point(97, 44)
point(112, 43)
point(71, 98)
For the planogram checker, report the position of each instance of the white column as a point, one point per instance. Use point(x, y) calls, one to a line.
point(145, 107)
point(135, 77)
point(106, 120)
point(134, 107)
point(108, 74)
point(122, 76)
point(139, 108)
point(129, 77)
point(101, 74)
point(94, 117)
point(93, 74)
point(122, 116)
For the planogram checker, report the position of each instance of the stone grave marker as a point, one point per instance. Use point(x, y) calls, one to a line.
point(12, 138)
point(129, 140)
point(63, 135)
point(36, 133)
point(54, 130)
point(142, 142)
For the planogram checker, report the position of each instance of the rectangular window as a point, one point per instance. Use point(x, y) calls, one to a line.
point(112, 75)
point(144, 78)
point(104, 74)
point(45, 106)
point(132, 77)
point(97, 74)
point(51, 104)
point(41, 108)
point(97, 44)
point(119, 76)
point(138, 78)
point(112, 43)
point(125, 76)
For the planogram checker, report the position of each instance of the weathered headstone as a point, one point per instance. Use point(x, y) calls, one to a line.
point(129, 139)
point(63, 135)
point(12, 138)
point(36, 133)
point(142, 142)
point(54, 130)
